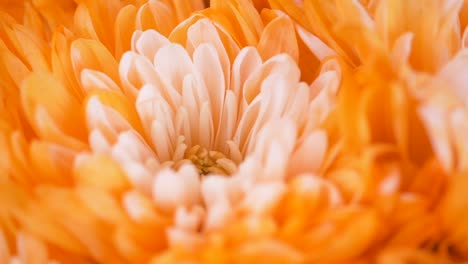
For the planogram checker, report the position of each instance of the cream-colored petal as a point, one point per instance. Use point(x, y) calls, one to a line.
point(281, 65)
point(206, 127)
point(309, 155)
point(454, 74)
point(215, 195)
point(140, 177)
point(91, 79)
point(435, 122)
point(98, 142)
point(140, 208)
point(245, 63)
point(315, 45)
point(189, 219)
point(263, 197)
point(173, 189)
point(459, 125)
point(208, 65)
point(173, 63)
point(203, 31)
point(148, 43)
point(273, 146)
point(401, 49)
point(227, 122)
point(104, 118)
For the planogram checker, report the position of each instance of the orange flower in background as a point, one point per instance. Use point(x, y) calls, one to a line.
point(169, 131)
point(400, 108)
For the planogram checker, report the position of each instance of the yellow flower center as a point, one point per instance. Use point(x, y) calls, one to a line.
point(210, 161)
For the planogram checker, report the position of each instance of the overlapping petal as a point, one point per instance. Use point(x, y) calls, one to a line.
point(278, 131)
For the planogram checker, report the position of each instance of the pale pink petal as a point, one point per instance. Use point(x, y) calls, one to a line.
point(263, 197)
point(206, 127)
point(245, 63)
point(173, 189)
point(280, 65)
point(203, 31)
point(189, 220)
point(435, 122)
point(148, 43)
point(228, 122)
point(454, 73)
point(173, 63)
point(309, 155)
point(459, 124)
point(91, 79)
point(401, 50)
point(208, 65)
point(315, 45)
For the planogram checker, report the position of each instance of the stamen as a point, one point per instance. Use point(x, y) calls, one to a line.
point(210, 161)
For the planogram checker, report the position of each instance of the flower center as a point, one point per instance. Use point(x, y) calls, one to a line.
point(210, 161)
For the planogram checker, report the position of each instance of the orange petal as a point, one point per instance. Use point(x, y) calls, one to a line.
point(91, 54)
point(101, 172)
point(61, 61)
point(278, 37)
point(124, 28)
point(52, 163)
point(50, 108)
point(120, 103)
point(31, 249)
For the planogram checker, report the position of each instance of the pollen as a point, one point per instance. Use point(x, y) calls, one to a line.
point(210, 161)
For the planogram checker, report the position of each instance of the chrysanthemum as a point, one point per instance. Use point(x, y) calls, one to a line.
point(184, 139)
point(202, 115)
point(248, 131)
point(401, 121)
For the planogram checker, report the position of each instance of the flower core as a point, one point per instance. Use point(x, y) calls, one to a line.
point(210, 161)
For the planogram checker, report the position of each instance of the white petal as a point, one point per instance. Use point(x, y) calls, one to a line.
point(179, 237)
point(174, 189)
point(91, 79)
point(459, 124)
point(262, 198)
point(310, 183)
point(217, 216)
point(172, 64)
point(139, 176)
point(127, 76)
point(275, 163)
point(161, 140)
point(454, 73)
point(203, 31)
point(98, 142)
point(315, 45)
point(213, 189)
point(139, 207)
point(402, 47)
point(310, 153)
point(189, 220)
point(104, 118)
point(228, 122)
point(244, 128)
point(205, 127)
point(391, 183)
point(245, 63)
point(435, 123)
point(279, 65)
point(149, 42)
point(208, 64)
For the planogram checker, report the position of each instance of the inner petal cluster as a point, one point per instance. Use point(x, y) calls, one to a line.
point(190, 115)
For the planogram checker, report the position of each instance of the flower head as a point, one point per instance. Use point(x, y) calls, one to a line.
point(280, 131)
